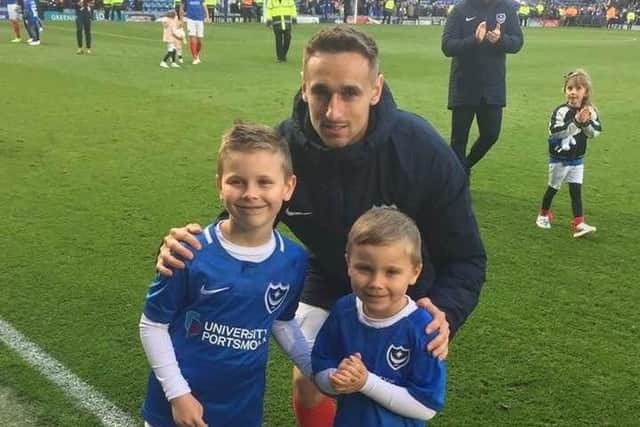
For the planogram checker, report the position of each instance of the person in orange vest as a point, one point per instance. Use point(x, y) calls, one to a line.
point(246, 10)
point(570, 16)
point(611, 16)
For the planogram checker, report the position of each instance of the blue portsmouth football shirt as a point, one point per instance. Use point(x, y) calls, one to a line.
point(396, 353)
point(220, 311)
point(193, 10)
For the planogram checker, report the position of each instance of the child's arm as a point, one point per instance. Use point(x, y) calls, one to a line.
point(326, 354)
point(156, 341)
point(289, 337)
point(593, 126)
point(395, 398)
point(352, 376)
point(162, 358)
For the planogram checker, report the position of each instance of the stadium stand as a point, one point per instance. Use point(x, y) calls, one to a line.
point(156, 5)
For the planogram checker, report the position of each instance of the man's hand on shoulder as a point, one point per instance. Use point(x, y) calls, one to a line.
point(172, 248)
point(439, 345)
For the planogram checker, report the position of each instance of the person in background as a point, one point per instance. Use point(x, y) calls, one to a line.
point(281, 15)
point(387, 12)
point(246, 10)
point(631, 19)
point(477, 36)
point(31, 21)
point(13, 12)
point(84, 9)
point(259, 10)
point(116, 9)
point(196, 14)
point(171, 38)
point(571, 125)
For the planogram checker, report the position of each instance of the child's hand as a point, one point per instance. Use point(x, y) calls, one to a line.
point(584, 115)
point(481, 31)
point(350, 376)
point(187, 411)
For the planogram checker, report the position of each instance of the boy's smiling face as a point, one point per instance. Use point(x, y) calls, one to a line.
point(253, 188)
point(380, 276)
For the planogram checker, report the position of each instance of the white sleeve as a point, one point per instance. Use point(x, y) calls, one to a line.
point(395, 398)
point(289, 337)
point(593, 128)
point(158, 347)
point(322, 381)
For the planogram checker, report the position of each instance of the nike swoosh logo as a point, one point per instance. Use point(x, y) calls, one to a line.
point(469, 18)
point(289, 212)
point(151, 294)
point(205, 291)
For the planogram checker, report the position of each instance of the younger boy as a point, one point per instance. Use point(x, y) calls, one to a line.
point(205, 329)
point(371, 349)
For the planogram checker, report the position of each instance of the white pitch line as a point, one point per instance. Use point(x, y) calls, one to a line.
point(82, 393)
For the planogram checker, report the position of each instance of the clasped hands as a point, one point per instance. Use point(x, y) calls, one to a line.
point(583, 115)
point(350, 376)
point(482, 33)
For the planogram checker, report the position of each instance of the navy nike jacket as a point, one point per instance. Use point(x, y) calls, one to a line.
point(402, 161)
point(478, 69)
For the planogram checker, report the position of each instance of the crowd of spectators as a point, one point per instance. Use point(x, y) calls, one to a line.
point(568, 12)
point(612, 13)
point(403, 9)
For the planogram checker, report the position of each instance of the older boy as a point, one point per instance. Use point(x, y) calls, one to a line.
point(205, 330)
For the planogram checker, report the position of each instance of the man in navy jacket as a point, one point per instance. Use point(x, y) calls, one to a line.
point(353, 149)
point(477, 36)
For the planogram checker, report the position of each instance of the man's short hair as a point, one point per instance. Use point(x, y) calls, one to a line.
point(249, 137)
point(342, 38)
point(381, 226)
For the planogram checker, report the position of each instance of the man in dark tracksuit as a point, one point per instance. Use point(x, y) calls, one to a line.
point(477, 36)
point(83, 23)
point(403, 162)
point(353, 149)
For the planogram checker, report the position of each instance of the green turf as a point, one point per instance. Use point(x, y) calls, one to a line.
point(102, 154)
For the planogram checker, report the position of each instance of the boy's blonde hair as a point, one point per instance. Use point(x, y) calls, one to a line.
point(384, 226)
point(581, 78)
point(171, 14)
point(250, 137)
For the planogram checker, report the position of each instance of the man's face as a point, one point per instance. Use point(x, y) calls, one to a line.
point(339, 89)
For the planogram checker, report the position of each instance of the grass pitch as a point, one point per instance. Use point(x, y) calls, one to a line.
point(102, 154)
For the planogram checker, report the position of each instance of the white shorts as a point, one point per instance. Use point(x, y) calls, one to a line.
point(13, 11)
point(559, 173)
point(310, 318)
point(195, 28)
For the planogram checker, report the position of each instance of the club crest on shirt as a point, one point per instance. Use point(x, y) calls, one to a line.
point(275, 296)
point(397, 356)
point(192, 324)
point(501, 17)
